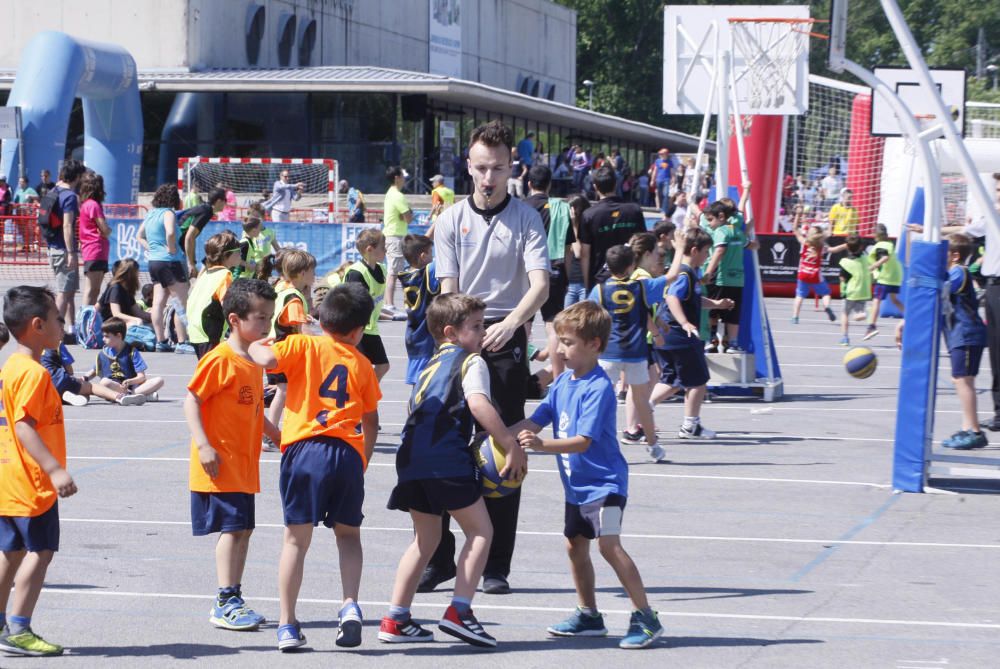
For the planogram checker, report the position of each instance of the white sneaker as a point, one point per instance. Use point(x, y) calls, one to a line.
point(699, 431)
point(269, 446)
point(153, 397)
point(131, 400)
point(656, 452)
point(75, 400)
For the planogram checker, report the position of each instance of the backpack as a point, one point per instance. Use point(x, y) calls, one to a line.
point(141, 337)
point(88, 327)
point(49, 222)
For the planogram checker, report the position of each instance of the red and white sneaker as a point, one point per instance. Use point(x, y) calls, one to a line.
point(405, 631)
point(466, 628)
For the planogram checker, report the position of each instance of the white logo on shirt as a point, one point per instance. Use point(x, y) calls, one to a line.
point(563, 422)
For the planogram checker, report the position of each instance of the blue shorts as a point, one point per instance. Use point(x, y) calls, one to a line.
point(965, 360)
point(322, 481)
point(690, 366)
point(883, 291)
point(36, 533)
point(668, 375)
point(221, 512)
point(802, 289)
point(413, 368)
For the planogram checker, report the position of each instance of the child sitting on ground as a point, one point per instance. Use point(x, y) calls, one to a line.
point(437, 471)
point(120, 367)
point(581, 408)
point(370, 273)
point(420, 287)
point(76, 392)
point(206, 322)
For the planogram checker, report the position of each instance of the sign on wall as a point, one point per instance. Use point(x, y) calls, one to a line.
point(445, 38)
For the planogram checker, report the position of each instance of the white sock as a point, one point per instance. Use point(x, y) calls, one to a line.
point(690, 422)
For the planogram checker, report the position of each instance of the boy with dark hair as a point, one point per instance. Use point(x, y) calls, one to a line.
point(32, 466)
point(224, 408)
point(370, 272)
point(120, 367)
point(61, 238)
point(437, 471)
point(608, 223)
point(855, 285)
point(678, 320)
point(420, 287)
point(725, 271)
point(627, 349)
point(887, 276)
point(332, 389)
point(581, 408)
point(194, 220)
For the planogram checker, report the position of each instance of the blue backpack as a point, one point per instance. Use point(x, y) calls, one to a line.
point(88, 327)
point(141, 337)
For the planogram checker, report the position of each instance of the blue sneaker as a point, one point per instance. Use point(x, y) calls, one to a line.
point(250, 612)
point(349, 635)
point(164, 346)
point(290, 637)
point(953, 439)
point(845, 341)
point(233, 615)
point(184, 348)
point(795, 320)
point(580, 624)
point(643, 629)
point(967, 440)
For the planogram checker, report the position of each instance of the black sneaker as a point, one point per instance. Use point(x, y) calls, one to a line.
point(465, 627)
point(495, 585)
point(637, 437)
point(432, 578)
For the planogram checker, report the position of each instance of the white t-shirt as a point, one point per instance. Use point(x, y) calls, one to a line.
point(980, 226)
point(831, 187)
point(680, 213)
point(477, 378)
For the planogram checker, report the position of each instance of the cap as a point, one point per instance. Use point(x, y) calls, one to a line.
point(437, 178)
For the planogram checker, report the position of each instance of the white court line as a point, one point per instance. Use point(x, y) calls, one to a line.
point(553, 609)
point(756, 479)
point(535, 533)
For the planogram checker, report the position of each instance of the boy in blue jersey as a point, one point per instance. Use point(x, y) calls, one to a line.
point(120, 367)
point(420, 286)
point(437, 471)
point(581, 408)
point(678, 319)
point(627, 349)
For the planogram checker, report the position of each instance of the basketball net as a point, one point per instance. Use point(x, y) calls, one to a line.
point(924, 121)
point(770, 49)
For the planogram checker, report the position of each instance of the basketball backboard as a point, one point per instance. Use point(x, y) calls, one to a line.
point(690, 35)
point(950, 84)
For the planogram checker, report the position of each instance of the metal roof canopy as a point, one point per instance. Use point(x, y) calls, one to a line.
point(384, 80)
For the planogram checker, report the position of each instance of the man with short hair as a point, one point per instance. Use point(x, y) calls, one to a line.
point(61, 240)
point(282, 195)
point(608, 223)
point(492, 246)
point(45, 185)
point(395, 225)
point(355, 202)
point(442, 197)
point(194, 221)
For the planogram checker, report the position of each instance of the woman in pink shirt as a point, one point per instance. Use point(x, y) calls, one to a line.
point(94, 234)
point(228, 212)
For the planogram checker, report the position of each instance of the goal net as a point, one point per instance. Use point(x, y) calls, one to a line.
point(252, 179)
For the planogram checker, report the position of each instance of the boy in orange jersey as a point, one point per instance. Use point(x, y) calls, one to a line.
point(224, 408)
point(331, 389)
point(298, 271)
point(32, 465)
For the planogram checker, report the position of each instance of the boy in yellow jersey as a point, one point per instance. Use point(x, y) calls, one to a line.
point(370, 272)
point(331, 390)
point(257, 243)
point(206, 321)
point(32, 466)
point(291, 312)
point(855, 285)
point(224, 408)
point(887, 273)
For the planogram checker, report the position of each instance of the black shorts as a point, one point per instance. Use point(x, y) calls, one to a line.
point(274, 379)
point(95, 265)
point(557, 293)
point(167, 273)
point(435, 496)
point(734, 293)
point(689, 365)
point(602, 517)
point(668, 375)
point(371, 347)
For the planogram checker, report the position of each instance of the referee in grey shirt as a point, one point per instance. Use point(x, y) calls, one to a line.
point(493, 247)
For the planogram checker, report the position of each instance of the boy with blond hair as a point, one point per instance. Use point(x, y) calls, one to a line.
point(331, 390)
point(32, 466)
point(581, 408)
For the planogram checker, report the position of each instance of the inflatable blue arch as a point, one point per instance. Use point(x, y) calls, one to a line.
point(55, 69)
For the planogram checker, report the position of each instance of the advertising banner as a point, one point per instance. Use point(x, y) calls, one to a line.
point(445, 38)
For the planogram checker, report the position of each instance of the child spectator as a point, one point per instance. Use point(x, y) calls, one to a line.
point(678, 320)
point(145, 300)
point(257, 243)
point(437, 471)
point(291, 312)
point(855, 285)
point(725, 271)
point(76, 392)
point(224, 409)
point(33, 466)
point(120, 367)
point(206, 320)
point(887, 274)
point(370, 273)
point(581, 408)
point(810, 278)
point(626, 351)
point(331, 390)
point(420, 286)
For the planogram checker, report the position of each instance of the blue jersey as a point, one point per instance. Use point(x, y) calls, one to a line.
point(625, 300)
point(125, 364)
point(586, 407)
point(963, 326)
point(420, 286)
point(686, 288)
point(436, 435)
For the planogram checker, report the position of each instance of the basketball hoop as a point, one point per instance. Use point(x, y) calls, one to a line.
point(924, 121)
point(770, 48)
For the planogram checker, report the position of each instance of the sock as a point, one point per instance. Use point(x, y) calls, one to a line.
point(18, 624)
point(587, 611)
point(226, 593)
point(690, 422)
point(461, 604)
point(399, 613)
point(647, 611)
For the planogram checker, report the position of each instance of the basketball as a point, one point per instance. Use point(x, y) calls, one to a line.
point(492, 460)
point(860, 362)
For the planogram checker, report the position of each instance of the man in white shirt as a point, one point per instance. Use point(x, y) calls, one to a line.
point(282, 195)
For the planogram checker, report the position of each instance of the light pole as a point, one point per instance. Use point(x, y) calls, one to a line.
point(992, 70)
point(590, 90)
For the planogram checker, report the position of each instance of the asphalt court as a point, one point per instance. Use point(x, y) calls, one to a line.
point(780, 544)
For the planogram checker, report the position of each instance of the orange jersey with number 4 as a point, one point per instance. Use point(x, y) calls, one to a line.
point(27, 392)
point(330, 387)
